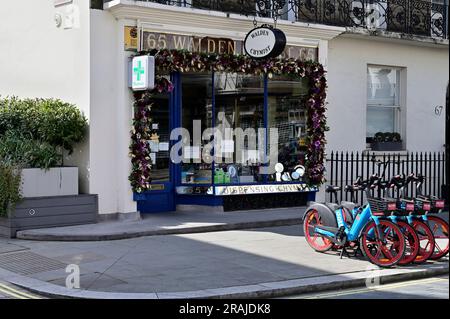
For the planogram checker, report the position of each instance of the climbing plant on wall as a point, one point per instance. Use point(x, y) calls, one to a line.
point(168, 61)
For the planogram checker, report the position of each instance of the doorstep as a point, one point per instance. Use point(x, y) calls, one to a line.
point(180, 222)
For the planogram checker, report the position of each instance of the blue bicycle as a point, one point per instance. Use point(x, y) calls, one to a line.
point(380, 240)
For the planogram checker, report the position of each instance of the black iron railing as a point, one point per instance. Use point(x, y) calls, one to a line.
point(415, 17)
point(343, 168)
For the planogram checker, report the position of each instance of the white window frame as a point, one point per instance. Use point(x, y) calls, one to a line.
point(398, 106)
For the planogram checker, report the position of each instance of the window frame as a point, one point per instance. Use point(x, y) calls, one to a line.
point(398, 107)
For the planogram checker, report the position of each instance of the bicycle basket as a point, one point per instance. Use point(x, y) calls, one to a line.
point(382, 205)
point(421, 204)
point(437, 203)
point(406, 205)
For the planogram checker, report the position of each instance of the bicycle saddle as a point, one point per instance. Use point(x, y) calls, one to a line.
point(332, 189)
point(332, 206)
point(352, 188)
point(349, 205)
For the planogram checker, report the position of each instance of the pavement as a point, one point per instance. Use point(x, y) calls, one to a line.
point(241, 263)
point(168, 224)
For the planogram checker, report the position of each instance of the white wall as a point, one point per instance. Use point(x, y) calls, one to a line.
point(103, 117)
point(426, 82)
point(111, 116)
point(37, 59)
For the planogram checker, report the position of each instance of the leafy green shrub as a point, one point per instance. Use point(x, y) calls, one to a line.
point(396, 137)
point(387, 137)
point(10, 180)
point(19, 115)
point(20, 150)
point(62, 124)
point(52, 121)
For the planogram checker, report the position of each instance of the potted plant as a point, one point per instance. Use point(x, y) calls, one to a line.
point(387, 142)
point(37, 189)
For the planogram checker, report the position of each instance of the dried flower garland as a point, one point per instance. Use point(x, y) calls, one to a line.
point(185, 61)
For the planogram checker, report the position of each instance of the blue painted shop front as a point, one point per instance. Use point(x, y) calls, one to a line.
point(245, 101)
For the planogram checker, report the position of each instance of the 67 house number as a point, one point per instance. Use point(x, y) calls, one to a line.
point(231, 309)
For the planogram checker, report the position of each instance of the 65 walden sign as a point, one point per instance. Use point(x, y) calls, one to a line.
point(265, 42)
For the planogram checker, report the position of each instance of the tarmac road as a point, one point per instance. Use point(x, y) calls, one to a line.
point(430, 288)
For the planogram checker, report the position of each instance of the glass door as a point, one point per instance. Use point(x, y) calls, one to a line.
point(161, 197)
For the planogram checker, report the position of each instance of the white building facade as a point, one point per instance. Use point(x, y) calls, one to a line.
point(382, 75)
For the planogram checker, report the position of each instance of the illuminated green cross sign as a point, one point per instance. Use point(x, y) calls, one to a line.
point(142, 73)
point(139, 70)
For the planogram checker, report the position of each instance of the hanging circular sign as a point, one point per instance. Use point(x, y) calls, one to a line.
point(265, 42)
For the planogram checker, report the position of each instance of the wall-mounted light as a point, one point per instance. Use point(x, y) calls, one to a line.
point(58, 20)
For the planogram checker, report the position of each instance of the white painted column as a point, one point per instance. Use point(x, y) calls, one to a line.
point(323, 53)
point(124, 111)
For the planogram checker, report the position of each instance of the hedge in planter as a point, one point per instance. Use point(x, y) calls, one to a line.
point(52, 121)
point(34, 133)
point(387, 142)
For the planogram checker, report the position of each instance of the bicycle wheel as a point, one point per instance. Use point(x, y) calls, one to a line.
point(388, 252)
point(316, 241)
point(439, 227)
point(426, 240)
point(412, 243)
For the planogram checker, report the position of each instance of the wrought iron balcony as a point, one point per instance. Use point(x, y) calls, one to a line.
point(414, 17)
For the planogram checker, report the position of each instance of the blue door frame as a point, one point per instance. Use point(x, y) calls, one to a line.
point(164, 197)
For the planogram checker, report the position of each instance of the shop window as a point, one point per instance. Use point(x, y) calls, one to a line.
point(383, 100)
point(160, 143)
point(239, 117)
point(287, 113)
point(196, 118)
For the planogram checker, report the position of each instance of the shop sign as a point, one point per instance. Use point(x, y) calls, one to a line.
point(143, 73)
point(263, 189)
point(194, 43)
point(264, 42)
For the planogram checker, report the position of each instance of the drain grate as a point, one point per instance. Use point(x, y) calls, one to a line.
point(9, 248)
point(28, 263)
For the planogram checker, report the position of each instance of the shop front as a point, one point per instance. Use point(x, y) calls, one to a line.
point(224, 130)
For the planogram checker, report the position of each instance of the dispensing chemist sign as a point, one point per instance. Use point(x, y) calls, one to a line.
point(265, 42)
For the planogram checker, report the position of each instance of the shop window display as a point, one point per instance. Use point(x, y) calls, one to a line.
point(239, 106)
point(287, 112)
point(196, 111)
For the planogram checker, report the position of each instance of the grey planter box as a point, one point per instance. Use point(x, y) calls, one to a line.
point(57, 181)
point(387, 146)
point(55, 211)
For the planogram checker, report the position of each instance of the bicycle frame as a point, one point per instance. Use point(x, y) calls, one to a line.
point(352, 233)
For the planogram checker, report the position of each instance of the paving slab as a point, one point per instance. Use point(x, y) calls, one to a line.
point(167, 224)
point(251, 263)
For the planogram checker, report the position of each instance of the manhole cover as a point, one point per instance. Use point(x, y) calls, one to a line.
point(28, 263)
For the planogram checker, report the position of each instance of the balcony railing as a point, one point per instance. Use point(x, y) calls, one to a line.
point(414, 17)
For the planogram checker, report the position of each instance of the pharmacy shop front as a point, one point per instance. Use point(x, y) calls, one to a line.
point(224, 131)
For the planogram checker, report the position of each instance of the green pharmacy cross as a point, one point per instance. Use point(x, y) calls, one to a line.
point(142, 73)
point(139, 70)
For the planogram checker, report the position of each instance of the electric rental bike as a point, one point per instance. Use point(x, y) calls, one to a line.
point(386, 208)
point(380, 240)
point(427, 208)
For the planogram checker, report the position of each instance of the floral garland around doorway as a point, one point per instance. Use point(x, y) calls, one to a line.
point(185, 61)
